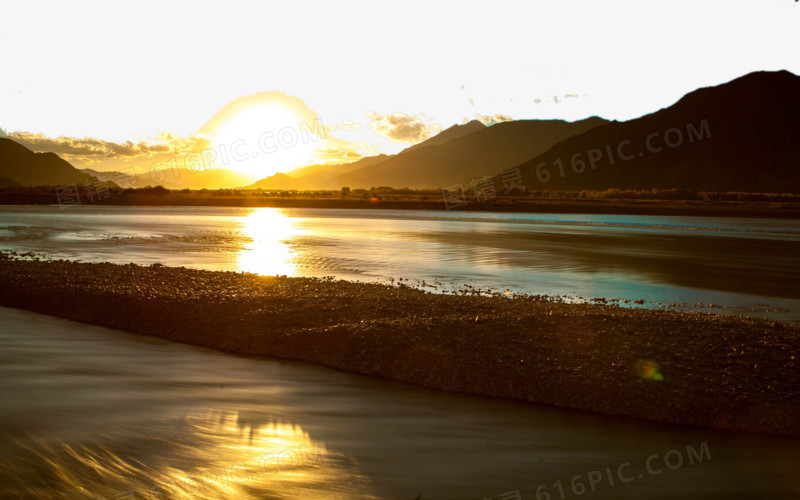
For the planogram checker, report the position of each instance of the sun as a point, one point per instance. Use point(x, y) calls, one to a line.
point(263, 134)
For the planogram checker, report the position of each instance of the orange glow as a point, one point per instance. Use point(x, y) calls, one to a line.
point(264, 134)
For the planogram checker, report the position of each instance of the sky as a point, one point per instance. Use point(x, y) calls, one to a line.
point(109, 84)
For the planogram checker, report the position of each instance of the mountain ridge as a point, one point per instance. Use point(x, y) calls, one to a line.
point(473, 149)
point(27, 168)
point(743, 135)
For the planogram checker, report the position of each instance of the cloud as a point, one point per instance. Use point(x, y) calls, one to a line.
point(89, 150)
point(400, 127)
point(345, 125)
point(344, 152)
point(491, 120)
point(556, 99)
point(353, 155)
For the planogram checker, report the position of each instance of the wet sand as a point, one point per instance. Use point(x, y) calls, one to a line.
point(725, 372)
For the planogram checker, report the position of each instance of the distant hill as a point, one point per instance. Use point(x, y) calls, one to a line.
point(278, 182)
point(22, 166)
point(482, 153)
point(6, 182)
point(314, 176)
point(743, 135)
point(454, 155)
point(449, 134)
point(176, 179)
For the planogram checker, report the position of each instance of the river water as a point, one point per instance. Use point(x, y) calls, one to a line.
point(88, 412)
point(729, 265)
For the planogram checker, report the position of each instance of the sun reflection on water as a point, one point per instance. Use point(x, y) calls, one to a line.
point(268, 248)
point(218, 454)
point(234, 457)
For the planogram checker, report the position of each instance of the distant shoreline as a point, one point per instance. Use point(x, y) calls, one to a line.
point(747, 209)
point(726, 372)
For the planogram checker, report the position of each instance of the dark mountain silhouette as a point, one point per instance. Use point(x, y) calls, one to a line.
point(743, 135)
point(485, 152)
point(24, 167)
point(453, 155)
point(6, 182)
point(449, 134)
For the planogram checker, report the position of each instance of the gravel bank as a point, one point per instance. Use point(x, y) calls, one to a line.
point(697, 369)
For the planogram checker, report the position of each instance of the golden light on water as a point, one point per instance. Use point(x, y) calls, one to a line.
point(268, 249)
point(212, 455)
point(233, 457)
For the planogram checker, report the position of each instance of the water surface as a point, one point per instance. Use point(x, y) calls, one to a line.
point(88, 412)
point(746, 266)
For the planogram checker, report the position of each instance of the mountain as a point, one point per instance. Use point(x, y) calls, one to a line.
point(24, 167)
point(180, 178)
point(743, 135)
point(278, 182)
point(451, 133)
point(6, 182)
point(314, 176)
point(484, 152)
point(453, 155)
point(324, 176)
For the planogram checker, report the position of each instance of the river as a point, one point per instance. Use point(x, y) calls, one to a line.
point(723, 265)
point(88, 412)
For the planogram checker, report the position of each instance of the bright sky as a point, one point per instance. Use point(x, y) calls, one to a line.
point(129, 71)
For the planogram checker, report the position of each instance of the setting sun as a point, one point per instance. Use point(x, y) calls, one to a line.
point(264, 134)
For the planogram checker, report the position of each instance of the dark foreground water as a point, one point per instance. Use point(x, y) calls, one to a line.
point(745, 266)
point(88, 412)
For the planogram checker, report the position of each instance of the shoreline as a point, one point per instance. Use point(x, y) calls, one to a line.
point(747, 209)
point(705, 370)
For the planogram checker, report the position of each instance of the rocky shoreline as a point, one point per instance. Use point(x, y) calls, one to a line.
point(726, 372)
